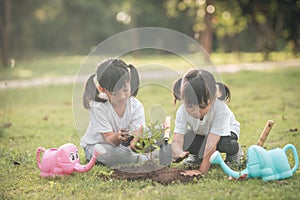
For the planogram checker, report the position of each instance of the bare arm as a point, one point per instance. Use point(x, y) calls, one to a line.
point(177, 148)
point(210, 148)
point(117, 138)
point(114, 138)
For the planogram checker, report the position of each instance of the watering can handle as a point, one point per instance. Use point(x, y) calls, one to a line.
point(292, 147)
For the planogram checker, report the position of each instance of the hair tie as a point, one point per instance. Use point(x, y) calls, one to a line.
point(218, 93)
point(129, 70)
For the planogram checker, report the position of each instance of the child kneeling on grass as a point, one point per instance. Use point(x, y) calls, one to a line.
point(115, 113)
point(212, 125)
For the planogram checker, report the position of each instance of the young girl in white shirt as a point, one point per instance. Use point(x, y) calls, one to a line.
point(204, 123)
point(115, 113)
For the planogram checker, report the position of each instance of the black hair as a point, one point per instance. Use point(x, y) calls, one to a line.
point(199, 87)
point(111, 75)
point(224, 91)
point(176, 90)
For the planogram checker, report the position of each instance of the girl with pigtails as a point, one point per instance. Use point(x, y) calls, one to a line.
point(204, 123)
point(115, 113)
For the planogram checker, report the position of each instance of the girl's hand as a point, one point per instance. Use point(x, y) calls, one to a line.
point(178, 153)
point(182, 156)
point(192, 173)
point(133, 145)
point(125, 138)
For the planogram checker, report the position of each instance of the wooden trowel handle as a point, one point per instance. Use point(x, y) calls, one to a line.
point(265, 133)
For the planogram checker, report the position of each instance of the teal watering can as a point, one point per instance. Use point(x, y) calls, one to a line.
point(268, 165)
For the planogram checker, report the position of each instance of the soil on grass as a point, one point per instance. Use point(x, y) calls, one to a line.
point(164, 176)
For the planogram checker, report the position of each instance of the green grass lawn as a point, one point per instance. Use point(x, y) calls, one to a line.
point(42, 116)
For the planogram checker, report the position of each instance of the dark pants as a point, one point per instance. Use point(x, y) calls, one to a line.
point(195, 144)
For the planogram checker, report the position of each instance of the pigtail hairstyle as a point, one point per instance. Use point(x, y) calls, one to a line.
point(224, 91)
point(90, 93)
point(134, 80)
point(199, 86)
point(111, 75)
point(176, 90)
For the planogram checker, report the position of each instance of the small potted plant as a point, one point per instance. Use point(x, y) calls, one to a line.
point(155, 137)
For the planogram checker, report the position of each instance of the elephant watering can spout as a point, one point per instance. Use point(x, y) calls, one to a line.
point(216, 158)
point(98, 151)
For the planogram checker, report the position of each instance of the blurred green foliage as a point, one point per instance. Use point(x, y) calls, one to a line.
point(68, 27)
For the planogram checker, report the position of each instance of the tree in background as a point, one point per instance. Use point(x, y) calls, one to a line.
point(213, 21)
point(5, 24)
point(31, 27)
point(243, 25)
point(274, 24)
point(17, 22)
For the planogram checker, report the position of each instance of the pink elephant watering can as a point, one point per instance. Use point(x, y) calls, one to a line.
point(64, 160)
point(268, 165)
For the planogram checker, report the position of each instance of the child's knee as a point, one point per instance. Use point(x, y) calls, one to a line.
point(228, 146)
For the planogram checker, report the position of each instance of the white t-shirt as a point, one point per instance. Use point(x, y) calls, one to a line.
point(219, 120)
point(103, 119)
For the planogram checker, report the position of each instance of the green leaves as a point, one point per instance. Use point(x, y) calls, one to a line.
point(150, 138)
